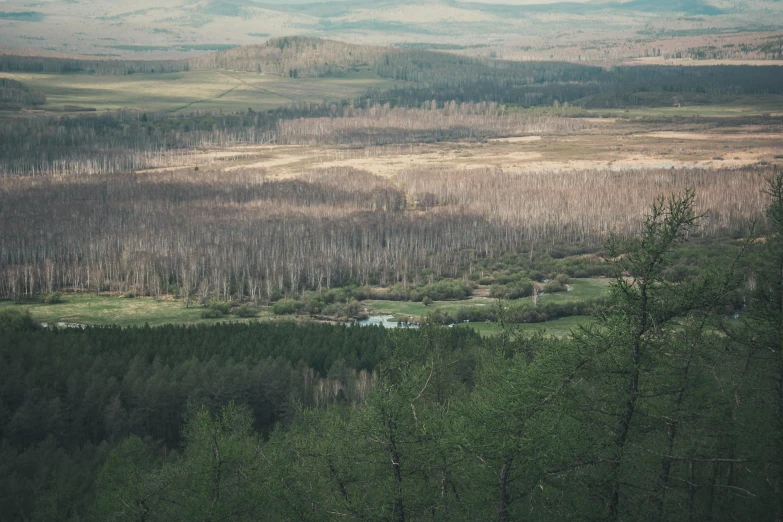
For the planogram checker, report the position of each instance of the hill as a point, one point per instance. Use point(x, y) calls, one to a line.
point(518, 29)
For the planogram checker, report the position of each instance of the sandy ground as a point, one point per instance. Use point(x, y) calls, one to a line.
point(517, 139)
point(705, 136)
point(695, 63)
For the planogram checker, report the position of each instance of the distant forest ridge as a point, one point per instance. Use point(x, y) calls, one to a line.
point(288, 56)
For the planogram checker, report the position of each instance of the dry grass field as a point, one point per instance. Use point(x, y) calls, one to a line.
point(612, 144)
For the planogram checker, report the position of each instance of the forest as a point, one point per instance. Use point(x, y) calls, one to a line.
point(240, 236)
point(667, 407)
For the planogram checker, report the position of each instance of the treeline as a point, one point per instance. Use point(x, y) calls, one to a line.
point(122, 141)
point(381, 125)
point(667, 408)
point(101, 66)
point(771, 49)
point(239, 235)
point(543, 83)
point(296, 57)
point(15, 95)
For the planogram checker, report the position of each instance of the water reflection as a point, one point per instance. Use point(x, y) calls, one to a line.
point(387, 321)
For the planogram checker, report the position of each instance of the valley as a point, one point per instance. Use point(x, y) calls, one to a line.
point(400, 261)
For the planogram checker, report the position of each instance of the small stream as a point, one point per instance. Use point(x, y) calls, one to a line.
point(387, 321)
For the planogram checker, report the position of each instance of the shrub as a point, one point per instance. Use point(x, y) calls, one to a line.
point(211, 313)
point(53, 298)
point(286, 307)
point(554, 286)
point(246, 311)
point(216, 309)
point(515, 290)
point(427, 300)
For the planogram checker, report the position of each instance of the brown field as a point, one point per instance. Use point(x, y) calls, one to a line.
point(690, 62)
point(602, 144)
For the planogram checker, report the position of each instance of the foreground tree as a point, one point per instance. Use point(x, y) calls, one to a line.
point(646, 390)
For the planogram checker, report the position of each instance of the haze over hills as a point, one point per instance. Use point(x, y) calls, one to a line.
point(514, 29)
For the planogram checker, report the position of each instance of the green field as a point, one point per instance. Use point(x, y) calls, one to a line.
point(583, 289)
point(105, 310)
point(209, 90)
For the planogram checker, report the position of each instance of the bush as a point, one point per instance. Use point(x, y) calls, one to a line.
point(554, 286)
point(286, 307)
point(427, 300)
point(245, 311)
point(211, 313)
point(515, 290)
point(216, 310)
point(443, 291)
point(54, 298)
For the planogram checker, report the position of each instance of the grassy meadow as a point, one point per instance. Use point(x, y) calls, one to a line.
point(185, 92)
point(583, 289)
point(106, 310)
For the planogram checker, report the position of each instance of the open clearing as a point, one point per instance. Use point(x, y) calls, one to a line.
point(107, 310)
point(103, 310)
point(185, 92)
point(612, 144)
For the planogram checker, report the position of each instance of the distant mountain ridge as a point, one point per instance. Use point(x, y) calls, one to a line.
point(173, 29)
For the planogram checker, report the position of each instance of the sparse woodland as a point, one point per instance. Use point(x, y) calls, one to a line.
point(239, 235)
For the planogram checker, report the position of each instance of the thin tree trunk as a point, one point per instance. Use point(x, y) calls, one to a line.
point(503, 495)
point(630, 407)
point(672, 431)
point(399, 507)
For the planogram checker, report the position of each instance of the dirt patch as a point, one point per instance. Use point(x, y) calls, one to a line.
point(698, 63)
point(516, 139)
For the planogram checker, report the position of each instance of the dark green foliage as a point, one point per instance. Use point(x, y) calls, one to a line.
point(15, 95)
point(54, 298)
point(245, 311)
point(286, 307)
point(216, 309)
point(65, 393)
point(12, 320)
